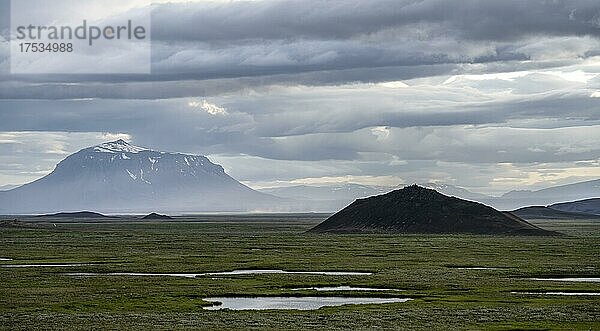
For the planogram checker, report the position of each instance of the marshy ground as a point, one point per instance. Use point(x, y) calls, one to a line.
point(455, 281)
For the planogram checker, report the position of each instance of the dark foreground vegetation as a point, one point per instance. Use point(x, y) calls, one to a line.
point(431, 269)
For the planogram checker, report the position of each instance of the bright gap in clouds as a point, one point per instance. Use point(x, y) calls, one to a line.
point(208, 107)
point(572, 76)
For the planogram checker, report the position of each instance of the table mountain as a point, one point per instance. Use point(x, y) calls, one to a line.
point(120, 177)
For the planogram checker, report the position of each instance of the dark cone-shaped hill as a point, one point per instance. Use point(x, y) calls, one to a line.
point(155, 216)
point(415, 209)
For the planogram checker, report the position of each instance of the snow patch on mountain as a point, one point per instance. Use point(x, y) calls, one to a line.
point(134, 177)
point(119, 146)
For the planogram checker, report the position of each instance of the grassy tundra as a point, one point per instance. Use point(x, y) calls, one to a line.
point(426, 268)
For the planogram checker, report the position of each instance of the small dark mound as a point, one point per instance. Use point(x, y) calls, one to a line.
point(155, 216)
point(415, 209)
point(79, 214)
point(540, 212)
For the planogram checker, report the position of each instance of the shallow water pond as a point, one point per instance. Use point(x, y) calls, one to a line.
point(257, 272)
point(48, 265)
point(571, 279)
point(296, 303)
point(560, 293)
point(344, 288)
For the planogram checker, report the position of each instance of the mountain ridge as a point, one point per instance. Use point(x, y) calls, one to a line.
point(543, 212)
point(331, 197)
point(550, 195)
point(586, 206)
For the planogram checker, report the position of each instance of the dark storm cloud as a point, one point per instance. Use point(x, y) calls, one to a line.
point(314, 124)
point(169, 86)
point(320, 19)
point(276, 37)
point(197, 44)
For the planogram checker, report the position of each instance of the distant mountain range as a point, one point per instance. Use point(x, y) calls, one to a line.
point(337, 196)
point(587, 206)
point(79, 214)
point(541, 212)
point(549, 196)
point(519, 199)
point(325, 198)
point(415, 209)
point(119, 177)
point(331, 192)
point(334, 197)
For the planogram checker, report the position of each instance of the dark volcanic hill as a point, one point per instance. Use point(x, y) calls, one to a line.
point(155, 216)
point(415, 209)
point(541, 212)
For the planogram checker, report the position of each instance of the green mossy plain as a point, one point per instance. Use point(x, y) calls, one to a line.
point(423, 266)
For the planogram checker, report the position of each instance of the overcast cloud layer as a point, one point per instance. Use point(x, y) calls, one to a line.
point(490, 95)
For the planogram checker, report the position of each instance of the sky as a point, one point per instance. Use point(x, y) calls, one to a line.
point(487, 95)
